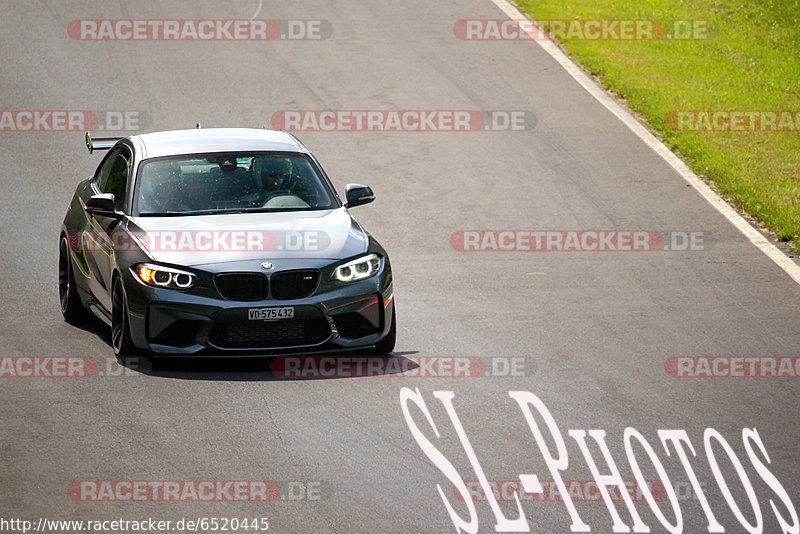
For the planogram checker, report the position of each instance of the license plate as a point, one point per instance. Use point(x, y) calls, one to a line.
point(270, 314)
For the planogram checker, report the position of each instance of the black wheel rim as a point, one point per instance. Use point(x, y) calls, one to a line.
point(117, 316)
point(63, 275)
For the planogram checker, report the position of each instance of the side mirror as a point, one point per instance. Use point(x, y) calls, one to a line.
point(357, 195)
point(102, 204)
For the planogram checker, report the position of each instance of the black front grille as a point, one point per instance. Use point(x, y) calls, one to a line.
point(293, 284)
point(267, 334)
point(242, 286)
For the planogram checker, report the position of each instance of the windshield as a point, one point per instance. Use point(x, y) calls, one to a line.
point(230, 183)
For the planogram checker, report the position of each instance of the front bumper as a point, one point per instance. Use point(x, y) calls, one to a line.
point(173, 323)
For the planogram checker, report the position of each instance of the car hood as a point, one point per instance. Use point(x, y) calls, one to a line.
point(206, 239)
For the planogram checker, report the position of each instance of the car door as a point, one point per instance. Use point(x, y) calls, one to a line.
point(111, 177)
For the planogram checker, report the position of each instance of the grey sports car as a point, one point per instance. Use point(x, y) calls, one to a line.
point(222, 240)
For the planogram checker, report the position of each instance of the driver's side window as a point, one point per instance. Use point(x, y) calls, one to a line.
point(112, 176)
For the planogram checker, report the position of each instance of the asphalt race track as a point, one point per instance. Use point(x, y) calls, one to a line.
point(603, 338)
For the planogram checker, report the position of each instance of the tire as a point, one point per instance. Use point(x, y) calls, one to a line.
point(71, 306)
point(120, 328)
point(386, 345)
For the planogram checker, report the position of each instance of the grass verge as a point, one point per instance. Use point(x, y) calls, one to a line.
point(742, 56)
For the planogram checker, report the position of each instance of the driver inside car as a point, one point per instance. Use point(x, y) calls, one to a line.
point(278, 186)
point(273, 174)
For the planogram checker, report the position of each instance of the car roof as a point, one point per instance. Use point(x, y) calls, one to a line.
point(204, 140)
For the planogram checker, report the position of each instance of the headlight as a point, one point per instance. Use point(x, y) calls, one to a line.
point(359, 269)
point(158, 276)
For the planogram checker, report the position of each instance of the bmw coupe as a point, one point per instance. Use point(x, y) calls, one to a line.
point(222, 240)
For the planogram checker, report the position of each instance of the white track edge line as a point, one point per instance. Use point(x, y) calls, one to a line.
point(754, 236)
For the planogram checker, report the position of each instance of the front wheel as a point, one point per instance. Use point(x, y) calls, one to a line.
point(386, 345)
point(120, 328)
point(71, 307)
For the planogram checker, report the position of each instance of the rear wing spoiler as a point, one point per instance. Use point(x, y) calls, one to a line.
point(100, 143)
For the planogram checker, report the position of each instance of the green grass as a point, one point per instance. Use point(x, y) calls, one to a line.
point(749, 61)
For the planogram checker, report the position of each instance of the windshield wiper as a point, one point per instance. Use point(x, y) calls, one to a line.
point(288, 208)
point(228, 211)
point(192, 212)
point(161, 213)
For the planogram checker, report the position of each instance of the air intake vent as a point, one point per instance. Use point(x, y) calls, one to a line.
point(269, 334)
